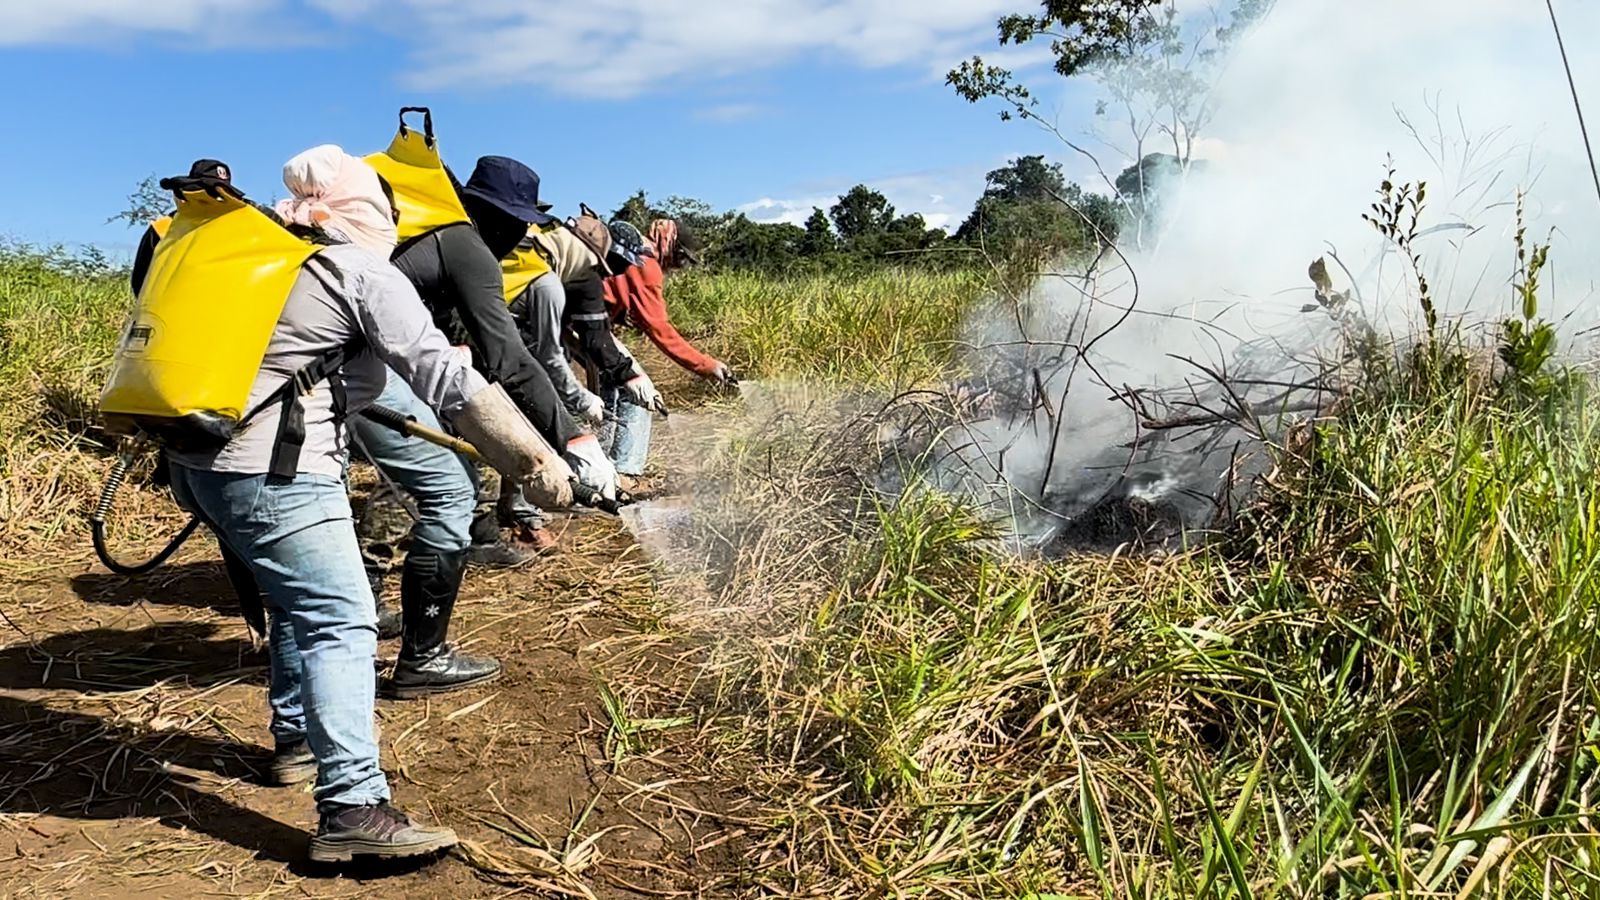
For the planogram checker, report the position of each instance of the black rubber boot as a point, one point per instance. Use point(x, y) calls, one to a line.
point(380, 831)
point(293, 764)
point(429, 584)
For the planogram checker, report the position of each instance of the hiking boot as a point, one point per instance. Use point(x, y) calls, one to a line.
point(390, 624)
point(429, 584)
point(380, 830)
point(498, 555)
point(514, 511)
point(293, 764)
point(538, 541)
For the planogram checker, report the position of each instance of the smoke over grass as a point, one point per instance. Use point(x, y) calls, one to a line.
point(1129, 399)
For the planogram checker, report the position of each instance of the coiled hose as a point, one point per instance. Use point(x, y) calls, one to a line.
point(97, 524)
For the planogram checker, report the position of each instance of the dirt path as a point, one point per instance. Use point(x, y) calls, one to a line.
point(133, 723)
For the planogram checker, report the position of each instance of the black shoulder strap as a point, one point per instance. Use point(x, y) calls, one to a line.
point(291, 437)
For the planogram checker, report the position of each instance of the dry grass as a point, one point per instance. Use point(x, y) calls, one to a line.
point(1387, 655)
point(59, 317)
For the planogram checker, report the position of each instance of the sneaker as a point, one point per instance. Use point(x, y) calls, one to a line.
point(498, 555)
point(380, 830)
point(293, 764)
point(390, 624)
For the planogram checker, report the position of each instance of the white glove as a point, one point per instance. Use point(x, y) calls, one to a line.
point(592, 409)
point(642, 391)
point(593, 468)
point(723, 375)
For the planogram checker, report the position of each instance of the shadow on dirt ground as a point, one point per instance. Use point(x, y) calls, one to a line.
point(80, 766)
point(198, 585)
point(110, 660)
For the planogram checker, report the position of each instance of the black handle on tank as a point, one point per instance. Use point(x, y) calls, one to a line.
point(427, 121)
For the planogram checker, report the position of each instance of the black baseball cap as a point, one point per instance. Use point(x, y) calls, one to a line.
point(211, 168)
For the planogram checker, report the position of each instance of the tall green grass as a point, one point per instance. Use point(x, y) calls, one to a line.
point(890, 328)
point(1385, 683)
point(59, 318)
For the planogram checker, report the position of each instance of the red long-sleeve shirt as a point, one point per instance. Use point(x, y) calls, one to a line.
point(636, 294)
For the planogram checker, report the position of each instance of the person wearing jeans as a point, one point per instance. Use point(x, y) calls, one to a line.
point(273, 490)
point(636, 296)
point(569, 298)
point(626, 434)
point(299, 541)
point(444, 486)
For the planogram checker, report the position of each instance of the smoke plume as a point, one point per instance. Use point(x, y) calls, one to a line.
point(1311, 106)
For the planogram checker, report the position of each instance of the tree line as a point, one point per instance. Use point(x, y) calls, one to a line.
point(1029, 213)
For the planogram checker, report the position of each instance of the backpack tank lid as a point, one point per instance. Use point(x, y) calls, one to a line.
point(424, 193)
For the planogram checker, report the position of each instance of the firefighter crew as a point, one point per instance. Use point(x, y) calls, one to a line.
point(249, 399)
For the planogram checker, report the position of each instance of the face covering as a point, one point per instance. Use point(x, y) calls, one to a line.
point(342, 195)
point(499, 230)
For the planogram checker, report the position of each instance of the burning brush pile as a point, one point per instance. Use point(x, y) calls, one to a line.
point(908, 705)
point(1081, 428)
point(1099, 426)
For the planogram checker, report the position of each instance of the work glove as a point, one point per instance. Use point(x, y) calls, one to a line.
point(591, 409)
point(508, 442)
point(593, 467)
point(724, 376)
point(642, 392)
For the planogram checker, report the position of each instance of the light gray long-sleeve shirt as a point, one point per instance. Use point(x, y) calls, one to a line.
point(538, 313)
point(343, 293)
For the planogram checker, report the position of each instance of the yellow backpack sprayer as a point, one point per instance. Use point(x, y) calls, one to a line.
point(183, 371)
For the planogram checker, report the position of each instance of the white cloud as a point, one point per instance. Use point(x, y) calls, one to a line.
point(601, 48)
point(943, 197)
point(83, 21)
point(730, 112)
point(616, 48)
point(793, 210)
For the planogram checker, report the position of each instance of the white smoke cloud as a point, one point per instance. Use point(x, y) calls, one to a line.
point(1314, 100)
point(1469, 95)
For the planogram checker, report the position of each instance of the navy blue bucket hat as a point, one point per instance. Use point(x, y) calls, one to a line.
point(510, 187)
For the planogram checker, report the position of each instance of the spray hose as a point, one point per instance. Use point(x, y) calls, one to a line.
point(582, 493)
point(97, 524)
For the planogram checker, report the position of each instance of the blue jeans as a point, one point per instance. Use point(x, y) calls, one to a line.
point(626, 435)
point(300, 543)
point(443, 484)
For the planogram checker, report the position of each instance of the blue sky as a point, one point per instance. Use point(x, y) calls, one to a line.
point(769, 105)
